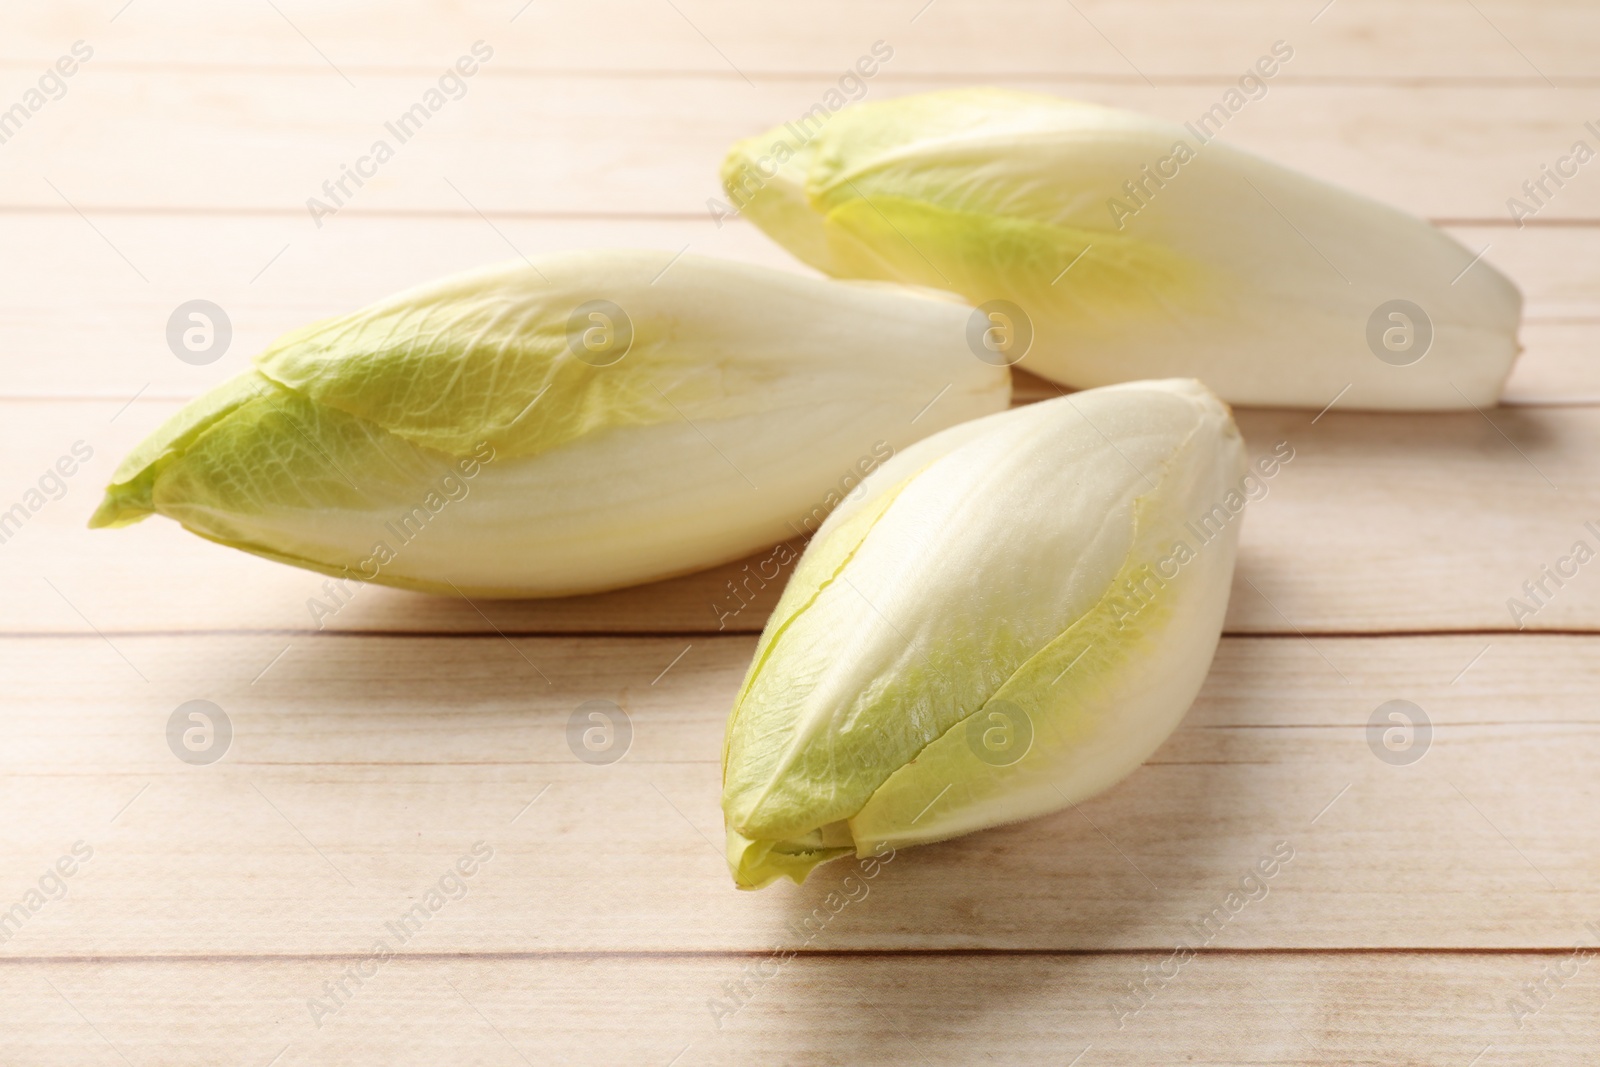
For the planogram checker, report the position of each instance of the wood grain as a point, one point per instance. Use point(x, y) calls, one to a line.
point(362, 767)
point(82, 322)
point(1463, 503)
point(1160, 39)
point(267, 141)
point(1363, 1009)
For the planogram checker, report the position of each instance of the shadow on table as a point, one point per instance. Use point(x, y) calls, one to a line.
point(729, 598)
point(920, 947)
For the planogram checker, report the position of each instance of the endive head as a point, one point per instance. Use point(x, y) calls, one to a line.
point(1137, 248)
point(581, 422)
point(1006, 618)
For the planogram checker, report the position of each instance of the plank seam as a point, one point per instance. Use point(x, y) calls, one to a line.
point(247, 211)
point(669, 954)
point(806, 74)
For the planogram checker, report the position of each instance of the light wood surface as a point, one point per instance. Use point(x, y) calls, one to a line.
point(1421, 902)
point(1223, 1009)
point(270, 143)
point(117, 346)
point(1401, 523)
point(362, 766)
point(1428, 39)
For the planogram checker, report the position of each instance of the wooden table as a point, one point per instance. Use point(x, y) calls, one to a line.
point(1430, 909)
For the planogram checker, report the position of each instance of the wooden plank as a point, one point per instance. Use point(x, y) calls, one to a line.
point(268, 141)
point(1466, 512)
point(1161, 38)
point(1554, 266)
point(1558, 364)
point(360, 769)
point(270, 276)
point(1367, 1009)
